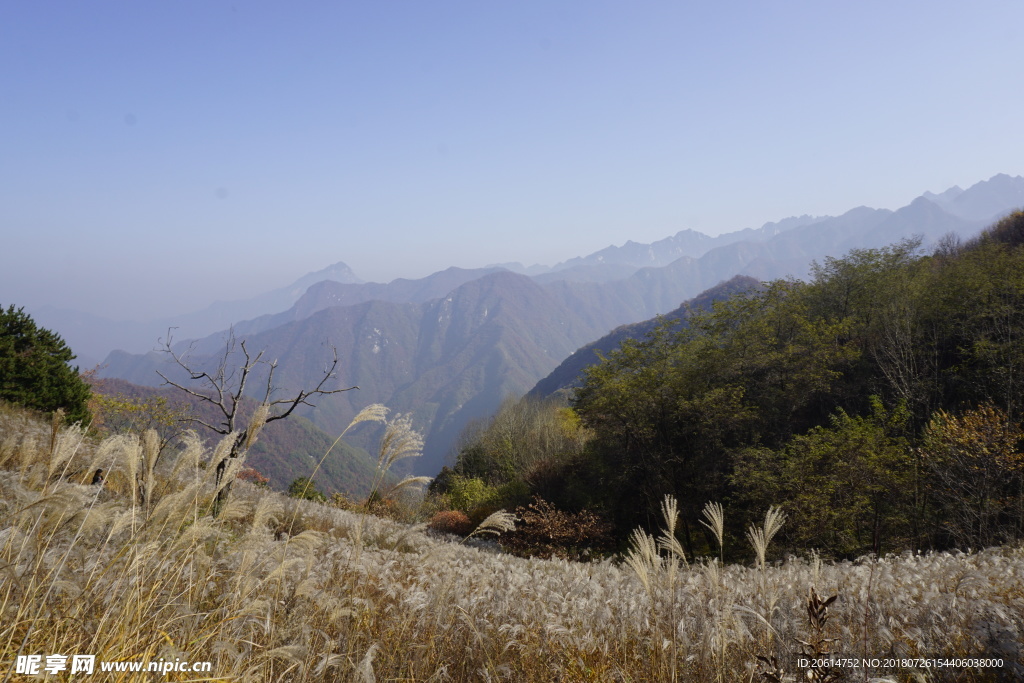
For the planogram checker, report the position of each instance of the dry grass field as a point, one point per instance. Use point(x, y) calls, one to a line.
point(136, 569)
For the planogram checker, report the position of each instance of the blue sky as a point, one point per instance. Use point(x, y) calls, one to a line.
point(156, 156)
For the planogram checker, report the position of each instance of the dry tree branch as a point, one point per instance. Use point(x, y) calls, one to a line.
point(224, 387)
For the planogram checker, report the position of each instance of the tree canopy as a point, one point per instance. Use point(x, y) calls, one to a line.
point(34, 369)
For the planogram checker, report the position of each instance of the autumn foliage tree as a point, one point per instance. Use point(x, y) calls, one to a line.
point(977, 470)
point(119, 411)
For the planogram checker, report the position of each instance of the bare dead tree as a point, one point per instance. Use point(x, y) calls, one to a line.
point(224, 387)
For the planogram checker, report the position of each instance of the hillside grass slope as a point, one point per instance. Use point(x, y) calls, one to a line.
point(275, 588)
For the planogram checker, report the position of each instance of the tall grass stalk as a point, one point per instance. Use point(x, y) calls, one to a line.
point(715, 523)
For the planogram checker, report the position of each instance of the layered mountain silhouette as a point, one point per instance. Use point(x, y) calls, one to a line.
point(447, 360)
point(448, 348)
point(93, 337)
point(569, 372)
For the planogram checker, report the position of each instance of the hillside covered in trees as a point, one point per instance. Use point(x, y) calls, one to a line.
point(449, 347)
point(878, 403)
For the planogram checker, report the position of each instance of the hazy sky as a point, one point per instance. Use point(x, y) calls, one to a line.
point(155, 156)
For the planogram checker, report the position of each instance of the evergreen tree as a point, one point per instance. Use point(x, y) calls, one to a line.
point(303, 487)
point(34, 369)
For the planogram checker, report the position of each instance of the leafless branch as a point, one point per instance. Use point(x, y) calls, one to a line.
point(303, 396)
point(225, 386)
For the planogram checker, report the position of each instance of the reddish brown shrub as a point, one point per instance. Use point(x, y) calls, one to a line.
point(545, 531)
point(251, 474)
point(451, 522)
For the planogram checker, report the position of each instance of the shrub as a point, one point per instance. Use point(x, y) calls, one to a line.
point(977, 472)
point(454, 522)
point(545, 531)
point(470, 493)
point(342, 502)
point(253, 476)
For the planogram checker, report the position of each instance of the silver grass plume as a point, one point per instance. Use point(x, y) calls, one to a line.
point(293, 654)
point(220, 453)
point(234, 466)
point(259, 419)
point(668, 541)
point(191, 455)
point(760, 538)
point(235, 509)
point(408, 481)
point(400, 441)
point(307, 541)
point(65, 445)
point(192, 537)
point(268, 511)
point(131, 459)
point(174, 509)
point(642, 556)
point(375, 412)
point(151, 453)
point(365, 668)
point(26, 455)
point(715, 516)
point(8, 449)
point(56, 420)
point(496, 523)
point(105, 455)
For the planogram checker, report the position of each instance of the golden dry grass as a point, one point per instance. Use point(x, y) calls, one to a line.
point(283, 589)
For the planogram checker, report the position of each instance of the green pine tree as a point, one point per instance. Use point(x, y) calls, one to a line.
point(34, 370)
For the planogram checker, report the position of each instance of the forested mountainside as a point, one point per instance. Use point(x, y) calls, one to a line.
point(447, 360)
point(879, 403)
point(452, 358)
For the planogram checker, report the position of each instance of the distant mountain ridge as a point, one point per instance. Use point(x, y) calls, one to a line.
point(684, 243)
point(447, 360)
point(568, 373)
point(327, 293)
point(985, 201)
point(92, 337)
point(448, 348)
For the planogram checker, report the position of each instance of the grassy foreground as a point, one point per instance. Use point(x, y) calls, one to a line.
point(275, 588)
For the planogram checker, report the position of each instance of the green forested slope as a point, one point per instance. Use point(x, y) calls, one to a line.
point(878, 403)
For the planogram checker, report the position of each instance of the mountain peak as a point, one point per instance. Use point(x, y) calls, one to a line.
point(338, 272)
point(944, 197)
point(988, 199)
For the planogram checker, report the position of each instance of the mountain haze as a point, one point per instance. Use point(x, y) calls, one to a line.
point(447, 360)
point(93, 337)
point(449, 347)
